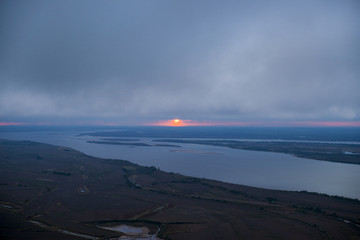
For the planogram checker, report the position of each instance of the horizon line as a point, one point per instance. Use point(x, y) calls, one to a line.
point(194, 123)
point(186, 123)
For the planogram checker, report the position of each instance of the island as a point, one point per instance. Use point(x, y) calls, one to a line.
point(131, 143)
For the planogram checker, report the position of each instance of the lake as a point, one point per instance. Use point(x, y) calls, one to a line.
point(258, 169)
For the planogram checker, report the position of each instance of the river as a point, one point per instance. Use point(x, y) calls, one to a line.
point(258, 169)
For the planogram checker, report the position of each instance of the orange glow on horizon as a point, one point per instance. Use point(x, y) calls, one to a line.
point(172, 123)
point(11, 124)
point(186, 123)
point(177, 123)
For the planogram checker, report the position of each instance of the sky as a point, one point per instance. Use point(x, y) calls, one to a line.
point(148, 61)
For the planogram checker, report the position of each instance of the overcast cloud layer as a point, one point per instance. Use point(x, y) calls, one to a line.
point(207, 60)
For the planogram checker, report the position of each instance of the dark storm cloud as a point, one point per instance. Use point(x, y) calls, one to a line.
point(287, 60)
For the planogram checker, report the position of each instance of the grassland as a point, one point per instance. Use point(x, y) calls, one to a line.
point(48, 192)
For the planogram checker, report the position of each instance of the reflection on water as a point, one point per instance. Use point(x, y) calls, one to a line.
point(259, 169)
point(134, 233)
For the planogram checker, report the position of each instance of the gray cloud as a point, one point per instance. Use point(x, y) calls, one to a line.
point(229, 60)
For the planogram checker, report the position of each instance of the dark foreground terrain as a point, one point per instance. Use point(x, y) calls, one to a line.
point(50, 192)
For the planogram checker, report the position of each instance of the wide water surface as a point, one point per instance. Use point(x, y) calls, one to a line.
point(259, 169)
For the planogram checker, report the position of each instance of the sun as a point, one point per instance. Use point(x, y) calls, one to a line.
point(176, 122)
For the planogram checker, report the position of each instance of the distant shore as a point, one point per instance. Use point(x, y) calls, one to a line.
point(332, 152)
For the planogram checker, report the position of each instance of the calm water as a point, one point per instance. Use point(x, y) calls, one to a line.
point(259, 169)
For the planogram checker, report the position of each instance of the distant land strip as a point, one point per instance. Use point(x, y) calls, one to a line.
point(137, 144)
point(332, 152)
